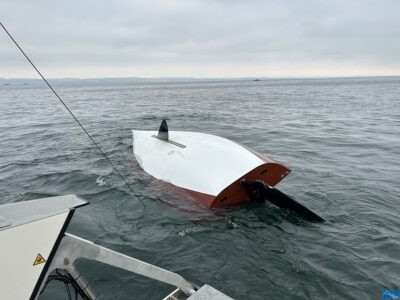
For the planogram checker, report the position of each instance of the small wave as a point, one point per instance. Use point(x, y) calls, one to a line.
point(100, 181)
point(191, 230)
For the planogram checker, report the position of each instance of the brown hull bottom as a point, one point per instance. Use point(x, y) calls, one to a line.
point(270, 173)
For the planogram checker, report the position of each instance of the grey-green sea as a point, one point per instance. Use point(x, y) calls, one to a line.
point(340, 137)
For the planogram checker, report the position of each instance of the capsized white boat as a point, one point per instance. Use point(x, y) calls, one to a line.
point(214, 170)
point(34, 245)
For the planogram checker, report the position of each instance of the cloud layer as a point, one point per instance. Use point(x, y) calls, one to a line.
point(203, 38)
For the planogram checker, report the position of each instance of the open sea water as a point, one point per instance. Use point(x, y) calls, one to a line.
point(340, 137)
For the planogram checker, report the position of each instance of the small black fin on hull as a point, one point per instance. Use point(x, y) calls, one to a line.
point(163, 131)
point(164, 136)
point(259, 191)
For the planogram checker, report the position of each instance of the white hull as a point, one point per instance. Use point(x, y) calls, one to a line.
point(203, 164)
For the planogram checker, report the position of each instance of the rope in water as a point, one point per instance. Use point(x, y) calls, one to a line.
point(70, 112)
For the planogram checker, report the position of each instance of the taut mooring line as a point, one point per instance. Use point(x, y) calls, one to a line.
point(70, 112)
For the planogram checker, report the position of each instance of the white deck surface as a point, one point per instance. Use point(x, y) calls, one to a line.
point(207, 164)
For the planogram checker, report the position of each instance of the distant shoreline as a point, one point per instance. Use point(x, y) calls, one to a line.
point(161, 80)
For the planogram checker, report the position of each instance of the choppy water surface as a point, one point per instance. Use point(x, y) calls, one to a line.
point(341, 137)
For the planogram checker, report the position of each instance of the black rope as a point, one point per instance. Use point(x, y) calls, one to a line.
point(70, 112)
point(69, 282)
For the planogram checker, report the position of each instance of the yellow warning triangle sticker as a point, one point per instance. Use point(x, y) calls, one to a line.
point(39, 260)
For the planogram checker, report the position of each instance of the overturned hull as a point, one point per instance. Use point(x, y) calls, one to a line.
point(208, 167)
point(215, 171)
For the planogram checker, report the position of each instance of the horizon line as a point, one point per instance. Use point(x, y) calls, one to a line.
point(201, 77)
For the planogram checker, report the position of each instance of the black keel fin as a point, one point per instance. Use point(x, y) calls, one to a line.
point(163, 135)
point(163, 131)
point(259, 191)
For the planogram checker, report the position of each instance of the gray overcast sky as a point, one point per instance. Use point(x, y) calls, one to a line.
point(201, 38)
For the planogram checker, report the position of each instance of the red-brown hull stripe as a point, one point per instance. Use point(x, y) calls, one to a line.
point(271, 173)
